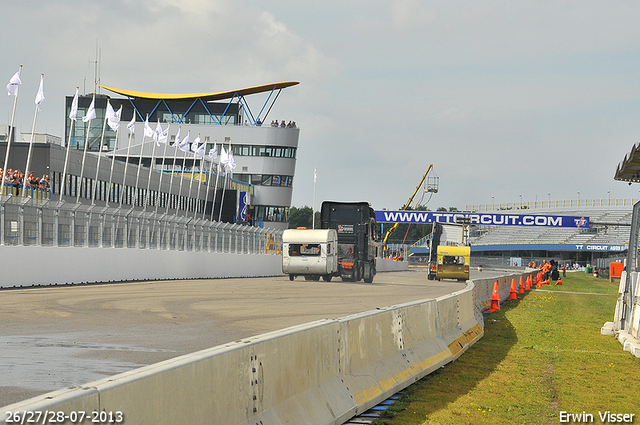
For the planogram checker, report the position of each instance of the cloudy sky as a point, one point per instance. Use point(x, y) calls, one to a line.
point(504, 98)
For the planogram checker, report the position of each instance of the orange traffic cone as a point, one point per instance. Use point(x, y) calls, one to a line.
point(546, 282)
point(520, 287)
point(513, 295)
point(538, 282)
point(559, 282)
point(495, 298)
point(527, 283)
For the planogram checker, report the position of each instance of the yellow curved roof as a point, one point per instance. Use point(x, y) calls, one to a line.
point(204, 96)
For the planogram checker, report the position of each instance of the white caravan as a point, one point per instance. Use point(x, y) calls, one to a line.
point(310, 253)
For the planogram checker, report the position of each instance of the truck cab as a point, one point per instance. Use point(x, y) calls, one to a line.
point(355, 224)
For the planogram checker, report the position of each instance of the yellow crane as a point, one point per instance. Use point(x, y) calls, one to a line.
point(431, 188)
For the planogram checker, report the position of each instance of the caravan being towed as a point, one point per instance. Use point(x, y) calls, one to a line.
point(310, 253)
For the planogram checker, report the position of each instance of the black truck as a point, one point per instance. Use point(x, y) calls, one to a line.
point(355, 223)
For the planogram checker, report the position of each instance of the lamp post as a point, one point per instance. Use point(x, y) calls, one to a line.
point(578, 198)
point(492, 201)
point(549, 195)
point(609, 194)
point(520, 200)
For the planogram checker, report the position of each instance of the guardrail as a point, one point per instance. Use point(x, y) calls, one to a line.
point(324, 372)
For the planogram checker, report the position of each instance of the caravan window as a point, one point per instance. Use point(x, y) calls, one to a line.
point(296, 249)
point(452, 260)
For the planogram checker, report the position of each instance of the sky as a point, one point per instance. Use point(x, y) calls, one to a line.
point(510, 101)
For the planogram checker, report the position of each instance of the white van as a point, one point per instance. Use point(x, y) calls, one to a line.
point(310, 253)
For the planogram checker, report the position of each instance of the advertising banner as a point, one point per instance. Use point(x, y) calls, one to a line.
point(488, 219)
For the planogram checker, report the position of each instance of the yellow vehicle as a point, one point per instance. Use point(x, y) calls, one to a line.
point(453, 262)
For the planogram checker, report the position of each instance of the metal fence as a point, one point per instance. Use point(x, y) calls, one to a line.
point(40, 222)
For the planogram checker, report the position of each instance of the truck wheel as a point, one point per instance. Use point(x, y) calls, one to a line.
point(369, 278)
point(327, 277)
point(291, 277)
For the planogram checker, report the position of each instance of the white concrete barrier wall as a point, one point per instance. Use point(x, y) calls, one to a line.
point(64, 265)
point(318, 373)
point(388, 265)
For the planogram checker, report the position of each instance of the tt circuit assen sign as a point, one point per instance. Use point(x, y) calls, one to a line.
point(489, 219)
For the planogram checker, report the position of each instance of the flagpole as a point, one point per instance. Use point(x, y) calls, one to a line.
point(195, 210)
point(206, 197)
point(6, 156)
point(84, 153)
point(215, 190)
point(173, 168)
point(63, 181)
point(139, 164)
point(193, 171)
point(113, 160)
point(147, 195)
point(164, 155)
point(184, 160)
point(126, 164)
point(313, 210)
point(33, 129)
point(95, 181)
point(224, 186)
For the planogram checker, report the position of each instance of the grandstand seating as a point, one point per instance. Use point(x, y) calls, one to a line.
point(608, 226)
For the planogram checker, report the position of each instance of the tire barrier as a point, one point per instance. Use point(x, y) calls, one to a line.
point(323, 372)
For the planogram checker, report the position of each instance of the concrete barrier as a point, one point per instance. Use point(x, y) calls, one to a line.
point(73, 265)
point(323, 372)
point(389, 265)
point(65, 265)
point(630, 336)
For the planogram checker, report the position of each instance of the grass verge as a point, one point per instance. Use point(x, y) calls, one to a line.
point(540, 355)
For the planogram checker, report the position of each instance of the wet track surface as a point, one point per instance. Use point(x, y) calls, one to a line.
point(56, 337)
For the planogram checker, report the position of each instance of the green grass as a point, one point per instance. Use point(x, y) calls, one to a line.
point(540, 355)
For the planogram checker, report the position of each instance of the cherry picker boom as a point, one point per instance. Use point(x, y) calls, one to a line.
point(431, 188)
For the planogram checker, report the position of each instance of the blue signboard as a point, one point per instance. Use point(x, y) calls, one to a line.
point(536, 246)
point(242, 207)
point(488, 219)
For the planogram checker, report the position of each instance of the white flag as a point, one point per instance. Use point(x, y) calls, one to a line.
point(14, 82)
point(132, 124)
point(164, 134)
point(40, 95)
point(113, 117)
point(156, 134)
point(200, 151)
point(148, 131)
point(194, 145)
point(224, 158)
point(213, 153)
point(231, 164)
point(184, 145)
point(74, 107)
point(91, 112)
point(176, 141)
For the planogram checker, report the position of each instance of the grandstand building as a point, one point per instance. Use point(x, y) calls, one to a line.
point(128, 170)
point(607, 236)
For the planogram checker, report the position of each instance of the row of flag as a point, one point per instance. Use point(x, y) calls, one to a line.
point(15, 82)
point(158, 134)
point(112, 118)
